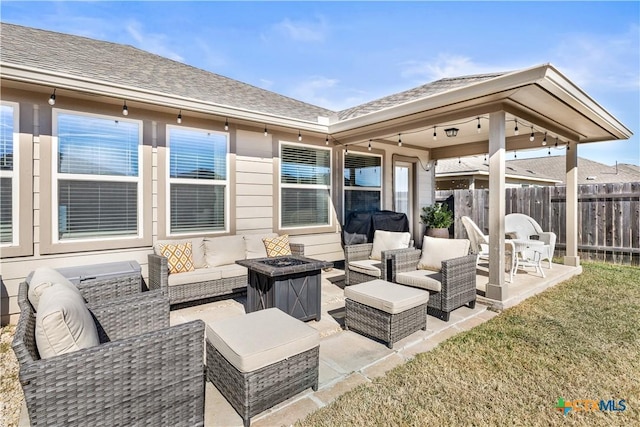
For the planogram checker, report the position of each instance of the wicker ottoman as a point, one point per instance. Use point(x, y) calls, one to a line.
point(385, 311)
point(260, 359)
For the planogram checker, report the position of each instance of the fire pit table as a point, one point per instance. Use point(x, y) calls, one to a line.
point(290, 283)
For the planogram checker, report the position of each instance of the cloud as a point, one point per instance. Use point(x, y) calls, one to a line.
point(326, 92)
point(445, 65)
point(303, 31)
point(154, 43)
point(610, 61)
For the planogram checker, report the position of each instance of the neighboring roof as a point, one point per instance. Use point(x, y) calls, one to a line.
point(129, 66)
point(419, 92)
point(589, 172)
point(475, 165)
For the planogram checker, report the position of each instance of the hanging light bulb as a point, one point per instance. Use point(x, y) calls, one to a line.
point(179, 119)
point(549, 151)
point(485, 157)
point(516, 131)
point(399, 141)
point(52, 98)
point(326, 141)
point(568, 146)
point(515, 154)
point(479, 126)
point(346, 149)
point(265, 131)
point(435, 137)
point(532, 136)
point(556, 142)
point(369, 145)
point(125, 110)
point(544, 141)
point(299, 136)
point(459, 161)
point(226, 124)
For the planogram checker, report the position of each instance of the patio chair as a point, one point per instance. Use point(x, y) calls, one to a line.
point(480, 246)
point(443, 267)
point(369, 261)
point(142, 372)
point(524, 227)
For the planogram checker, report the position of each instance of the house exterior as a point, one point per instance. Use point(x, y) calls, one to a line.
point(473, 172)
point(107, 148)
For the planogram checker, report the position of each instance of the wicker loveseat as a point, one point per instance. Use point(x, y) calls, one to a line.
point(216, 272)
point(142, 372)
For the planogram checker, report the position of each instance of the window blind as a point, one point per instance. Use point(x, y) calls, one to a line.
point(6, 137)
point(197, 208)
point(198, 155)
point(6, 210)
point(304, 207)
point(305, 165)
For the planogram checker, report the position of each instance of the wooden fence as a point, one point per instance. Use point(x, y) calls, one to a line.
point(608, 216)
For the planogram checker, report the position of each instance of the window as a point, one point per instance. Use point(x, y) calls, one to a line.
point(362, 183)
point(97, 176)
point(197, 181)
point(305, 186)
point(9, 174)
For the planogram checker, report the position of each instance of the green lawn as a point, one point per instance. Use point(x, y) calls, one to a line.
point(579, 340)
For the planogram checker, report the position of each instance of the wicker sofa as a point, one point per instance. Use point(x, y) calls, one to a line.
point(142, 372)
point(215, 273)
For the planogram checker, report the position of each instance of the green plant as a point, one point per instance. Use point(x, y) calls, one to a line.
point(436, 216)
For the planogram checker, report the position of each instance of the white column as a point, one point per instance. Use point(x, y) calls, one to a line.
point(496, 287)
point(571, 257)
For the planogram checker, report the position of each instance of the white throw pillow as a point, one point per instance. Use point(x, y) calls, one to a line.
point(434, 251)
point(63, 322)
point(387, 240)
point(224, 250)
point(42, 279)
point(255, 246)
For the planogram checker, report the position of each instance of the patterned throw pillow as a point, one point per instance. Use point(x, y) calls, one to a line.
point(277, 246)
point(179, 257)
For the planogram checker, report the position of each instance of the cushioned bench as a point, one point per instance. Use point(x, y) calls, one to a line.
point(260, 359)
point(385, 311)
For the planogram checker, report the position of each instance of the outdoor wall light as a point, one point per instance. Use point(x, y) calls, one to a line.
point(125, 110)
point(52, 98)
point(451, 132)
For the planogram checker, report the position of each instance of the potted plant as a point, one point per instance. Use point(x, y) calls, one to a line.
point(437, 218)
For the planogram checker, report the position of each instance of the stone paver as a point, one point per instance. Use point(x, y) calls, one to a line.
point(349, 352)
point(286, 415)
point(381, 367)
point(330, 393)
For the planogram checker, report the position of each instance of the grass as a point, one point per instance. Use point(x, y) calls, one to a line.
point(579, 340)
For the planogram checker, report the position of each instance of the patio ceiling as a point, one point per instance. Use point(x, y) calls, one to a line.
point(540, 97)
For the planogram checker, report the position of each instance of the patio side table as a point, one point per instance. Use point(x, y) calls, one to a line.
point(529, 254)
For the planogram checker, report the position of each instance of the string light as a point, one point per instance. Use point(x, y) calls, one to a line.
point(369, 145)
point(435, 137)
point(549, 151)
point(532, 136)
point(299, 136)
point(485, 157)
point(515, 154)
point(125, 110)
point(179, 119)
point(52, 98)
point(568, 146)
point(479, 126)
point(459, 161)
point(265, 131)
point(544, 141)
point(399, 141)
point(346, 150)
point(556, 142)
point(326, 141)
point(226, 124)
point(516, 131)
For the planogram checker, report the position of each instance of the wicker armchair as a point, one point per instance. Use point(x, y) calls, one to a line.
point(522, 226)
point(450, 288)
point(142, 373)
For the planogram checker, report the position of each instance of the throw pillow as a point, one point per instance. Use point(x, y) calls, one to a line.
point(277, 246)
point(434, 251)
point(63, 322)
point(387, 240)
point(42, 279)
point(179, 257)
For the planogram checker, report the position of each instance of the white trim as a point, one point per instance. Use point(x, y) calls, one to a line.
point(190, 181)
point(327, 187)
point(14, 174)
point(351, 188)
point(56, 177)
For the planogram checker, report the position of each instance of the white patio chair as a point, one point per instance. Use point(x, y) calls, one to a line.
point(480, 245)
point(526, 228)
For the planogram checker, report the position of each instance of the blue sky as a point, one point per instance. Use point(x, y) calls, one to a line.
point(338, 54)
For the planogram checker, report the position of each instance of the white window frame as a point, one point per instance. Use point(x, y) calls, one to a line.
point(14, 174)
point(56, 177)
point(190, 181)
point(350, 188)
point(304, 186)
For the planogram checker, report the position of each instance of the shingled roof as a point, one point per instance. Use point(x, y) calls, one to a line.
point(476, 164)
point(126, 65)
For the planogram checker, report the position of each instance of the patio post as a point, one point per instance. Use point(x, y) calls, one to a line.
point(496, 289)
point(571, 256)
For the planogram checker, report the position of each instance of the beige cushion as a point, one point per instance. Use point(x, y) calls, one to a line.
point(277, 246)
point(261, 338)
point(42, 279)
point(231, 270)
point(224, 250)
point(423, 279)
point(179, 259)
point(386, 240)
point(255, 245)
point(197, 249)
point(63, 322)
point(386, 296)
point(370, 267)
point(434, 251)
point(195, 276)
